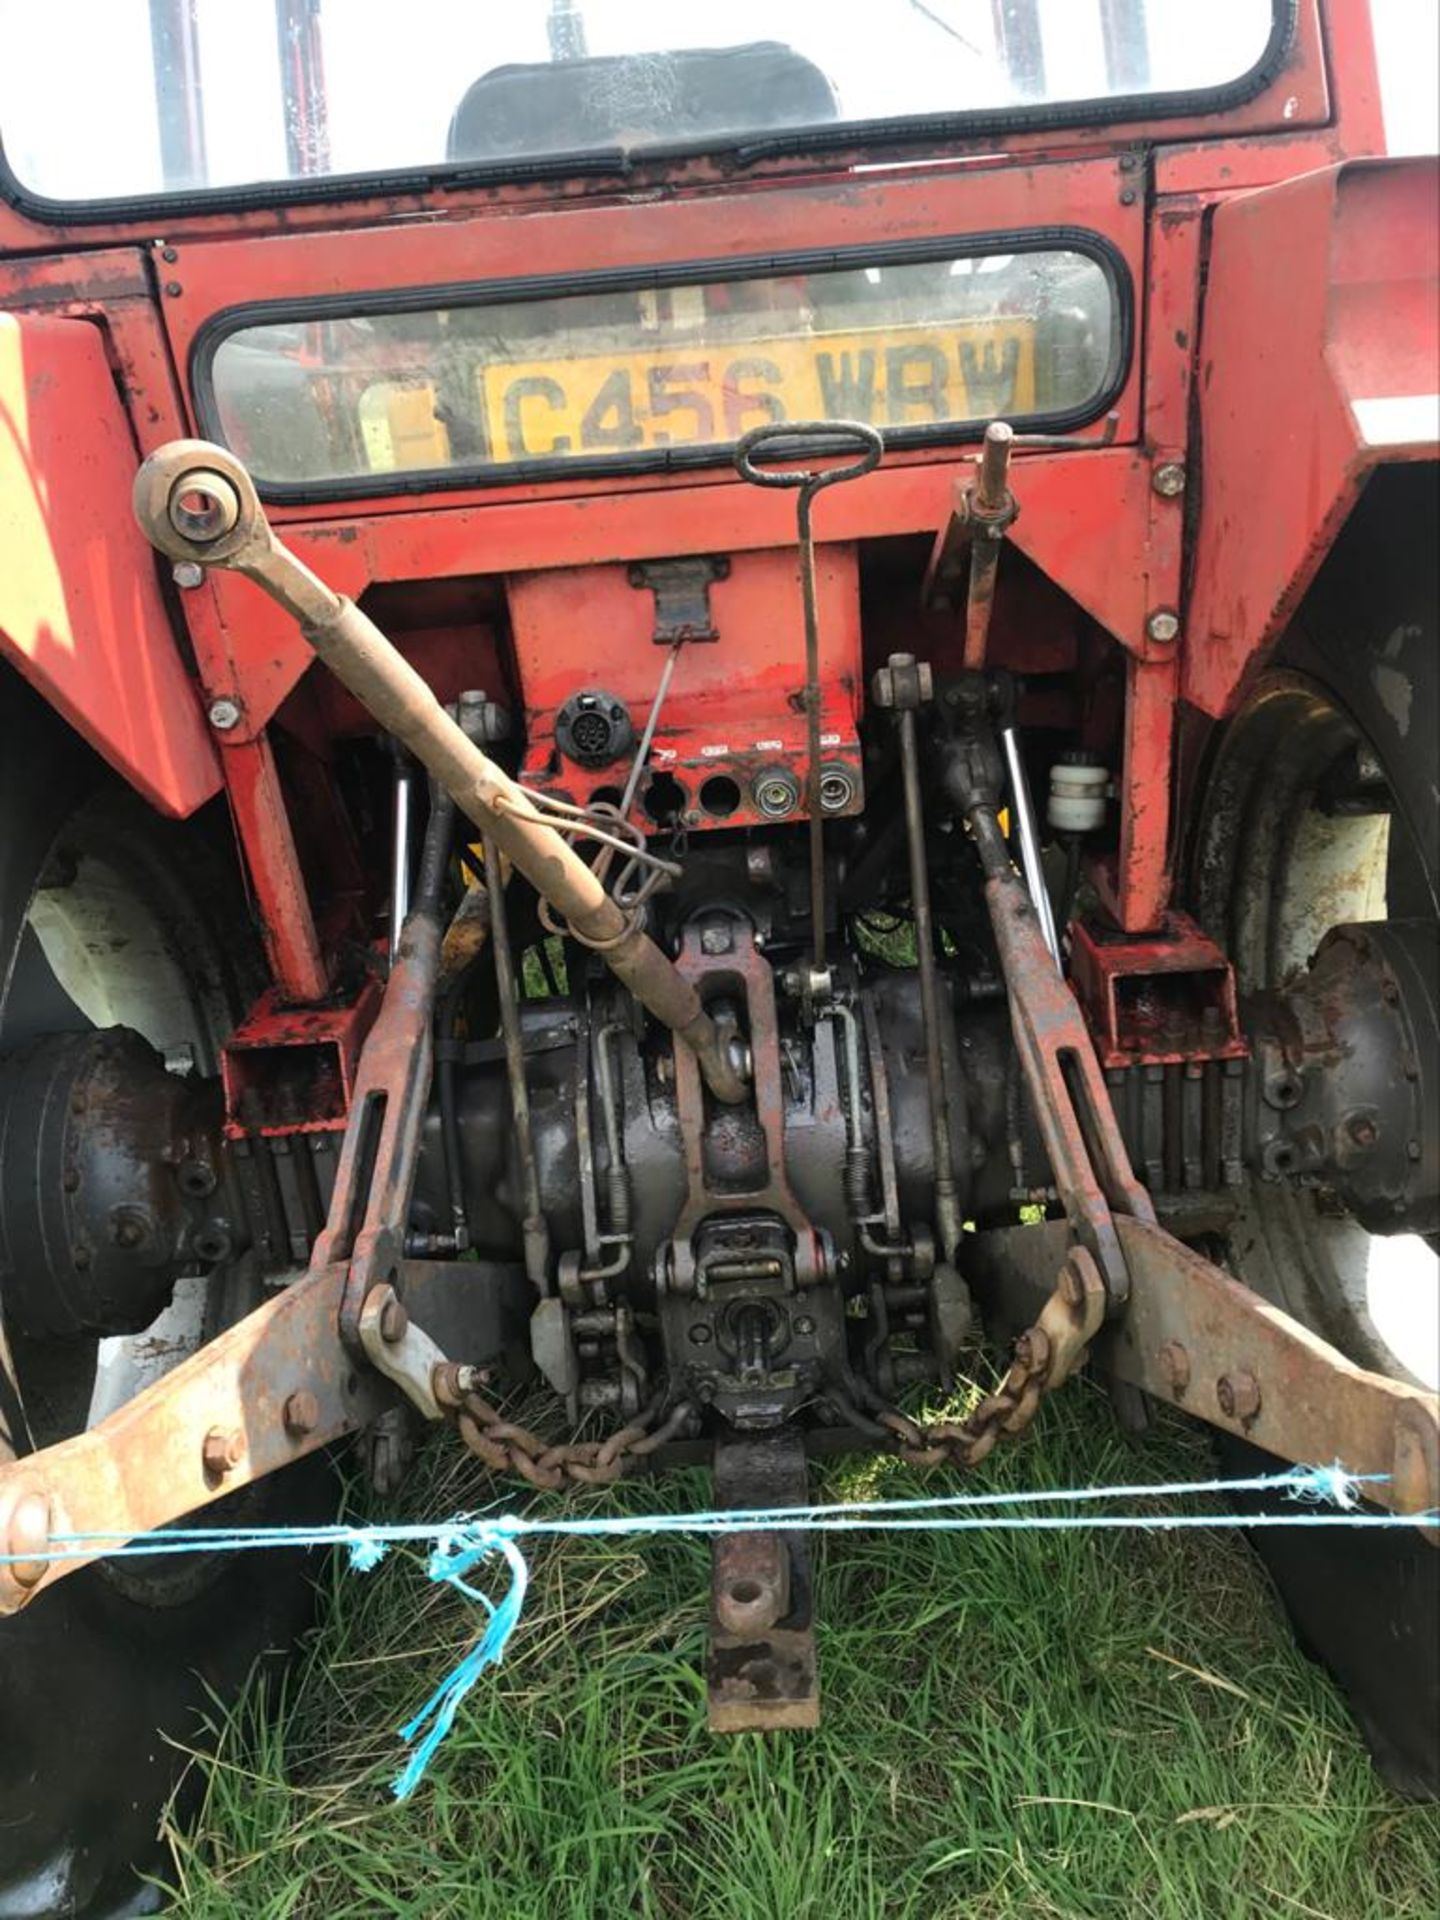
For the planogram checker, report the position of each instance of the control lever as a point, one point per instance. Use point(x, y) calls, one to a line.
point(820, 436)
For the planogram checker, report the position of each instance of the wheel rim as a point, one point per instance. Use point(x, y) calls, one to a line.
point(1283, 856)
point(111, 937)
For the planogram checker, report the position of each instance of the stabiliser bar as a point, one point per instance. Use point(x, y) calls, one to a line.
point(197, 503)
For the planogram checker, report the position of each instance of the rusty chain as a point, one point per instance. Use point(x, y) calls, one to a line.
point(505, 1446)
point(1045, 1355)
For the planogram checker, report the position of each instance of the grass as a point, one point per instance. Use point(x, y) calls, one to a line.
point(1014, 1725)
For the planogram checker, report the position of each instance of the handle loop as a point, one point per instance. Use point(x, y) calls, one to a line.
point(832, 436)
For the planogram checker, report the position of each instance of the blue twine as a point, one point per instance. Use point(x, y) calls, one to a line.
point(1330, 1497)
point(452, 1559)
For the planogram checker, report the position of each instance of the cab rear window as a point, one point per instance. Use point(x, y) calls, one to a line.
point(658, 375)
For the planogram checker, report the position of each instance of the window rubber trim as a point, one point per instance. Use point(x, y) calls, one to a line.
point(716, 454)
point(619, 166)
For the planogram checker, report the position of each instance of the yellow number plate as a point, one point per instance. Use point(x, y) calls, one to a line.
point(707, 394)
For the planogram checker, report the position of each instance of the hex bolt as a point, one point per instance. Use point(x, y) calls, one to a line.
point(1238, 1395)
point(394, 1321)
point(29, 1533)
point(1163, 626)
point(804, 1326)
point(187, 573)
point(1175, 1364)
point(301, 1413)
point(717, 938)
point(1169, 479)
point(222, 1449)
point(224, 714)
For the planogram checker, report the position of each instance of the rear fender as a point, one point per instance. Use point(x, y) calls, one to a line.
point(1319, 348)
point(82, 616)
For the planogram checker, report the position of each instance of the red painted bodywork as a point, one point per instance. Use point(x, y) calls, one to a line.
point(714, 724)
point(81, 613)
point(292, 1069)
point(1293, 422)
point(1276, 284)
point(1158, 1000)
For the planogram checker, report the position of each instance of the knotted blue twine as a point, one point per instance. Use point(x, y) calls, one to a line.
point(1330, 1497)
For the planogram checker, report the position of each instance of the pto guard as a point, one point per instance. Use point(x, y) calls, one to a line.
point(1319, 350)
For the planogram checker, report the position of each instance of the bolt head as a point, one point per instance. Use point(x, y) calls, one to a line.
point(29, 1533)
point(128, 1231)
point(187, 574)
point(301, 1413)
point(1163, 626)
point(394, 1321)
point(222, 1449)
point(224, 715)
point(1175, 1362)
point(1169, 480)
point(1238, 1395)
point(716, 938)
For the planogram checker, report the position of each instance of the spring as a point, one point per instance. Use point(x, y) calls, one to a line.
point(857, 1182)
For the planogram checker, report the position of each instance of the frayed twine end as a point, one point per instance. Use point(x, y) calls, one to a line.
point(1334, 1484)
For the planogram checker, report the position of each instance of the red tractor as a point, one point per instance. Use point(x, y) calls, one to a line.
point(870, 783)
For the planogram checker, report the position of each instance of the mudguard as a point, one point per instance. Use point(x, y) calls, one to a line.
point(1319, 349)
point(82, 614)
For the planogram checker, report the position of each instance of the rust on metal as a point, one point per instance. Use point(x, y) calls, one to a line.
point(750, 1581)
point(762, 1670)
point(1271, 1380)
point(146, 1464)
point(390, 689)
point(1088, 1160)
point(989, 509)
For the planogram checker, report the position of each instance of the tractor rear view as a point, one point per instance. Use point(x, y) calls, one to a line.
point(708, 714)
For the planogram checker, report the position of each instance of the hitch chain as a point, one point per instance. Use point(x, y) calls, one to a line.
point(1045, 1356)
point(507, 1447)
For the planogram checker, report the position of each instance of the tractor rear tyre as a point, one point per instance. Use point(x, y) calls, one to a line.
point(1350, 706)
point(111, 915)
